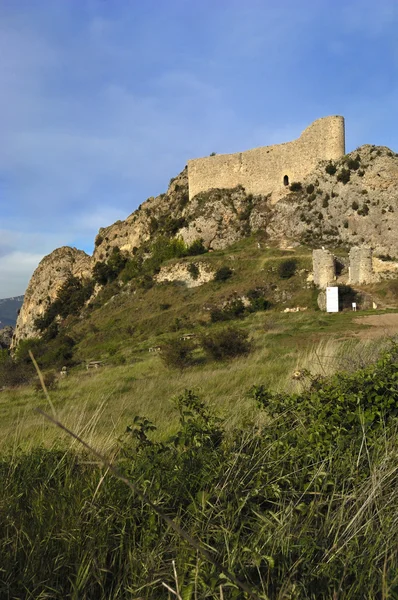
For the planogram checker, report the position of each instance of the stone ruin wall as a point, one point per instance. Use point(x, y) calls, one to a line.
point(361, 265)
point(262, 170)
point(360, 268)
point(324, 268)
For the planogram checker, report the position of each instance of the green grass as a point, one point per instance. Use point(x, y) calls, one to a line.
point(100, 404)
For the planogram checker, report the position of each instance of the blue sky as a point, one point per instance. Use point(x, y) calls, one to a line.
point(103, 101)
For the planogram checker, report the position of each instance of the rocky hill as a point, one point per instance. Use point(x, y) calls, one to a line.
point(347, 202)
point(9, 308)
point(52, 272)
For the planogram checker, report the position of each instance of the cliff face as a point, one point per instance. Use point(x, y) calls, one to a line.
point(350, 201)
point(329, 211)
point(165, 213)
point(49, 276)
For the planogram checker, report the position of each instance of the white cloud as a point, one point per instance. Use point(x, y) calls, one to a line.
point(16, 269)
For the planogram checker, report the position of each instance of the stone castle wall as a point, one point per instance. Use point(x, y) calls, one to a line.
point(324, 268)
point(267, 169)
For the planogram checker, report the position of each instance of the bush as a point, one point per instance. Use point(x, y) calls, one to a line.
point(310, 189)
point(223, 273)
point(178, 354)
point(330, 169)
point(196, 248)
point(344, 176)
point(227, 343)
point(50, 382)
point(296, 186)
point(232, 310)
point(257, 300)
point(287, 268)
point(353, 164)
point(193, 270)
point(355, 205)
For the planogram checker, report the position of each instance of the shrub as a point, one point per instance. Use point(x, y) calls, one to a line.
point(330, 169)
point(178, 354)
point(310, 189)
point(223, 274)
point(344, 176)
point(353, 164)
point(296, 186)
point(196, 248)
point(355, 205)
point(227, 343)
point(287, 268)
point(234, 309)
point(325, 203)
point(193, 270)
point(257, 300)
point(50, 382)
point(98, 240)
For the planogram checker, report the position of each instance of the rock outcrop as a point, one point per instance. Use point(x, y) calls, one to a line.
point(357, 204)
point(6, 337)
point(352, 201)
point(45, 282)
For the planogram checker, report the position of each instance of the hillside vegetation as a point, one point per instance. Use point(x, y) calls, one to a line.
point(255, 434)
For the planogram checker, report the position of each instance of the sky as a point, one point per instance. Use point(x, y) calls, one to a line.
point(103, 101)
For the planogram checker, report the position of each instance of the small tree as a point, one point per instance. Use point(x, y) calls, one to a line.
point(223, 273)
point(178, 354)
point(344, 176)
point(287, 268)
point(330, 169)
point(227, 343)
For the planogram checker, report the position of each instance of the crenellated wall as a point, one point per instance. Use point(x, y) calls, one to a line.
point(264, 170)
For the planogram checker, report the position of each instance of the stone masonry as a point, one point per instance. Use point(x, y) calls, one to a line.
point(324, 268)
point(361, 265)
point(270, 169)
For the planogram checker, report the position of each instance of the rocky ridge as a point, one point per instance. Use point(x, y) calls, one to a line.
point(350, 201)
point(52, 272)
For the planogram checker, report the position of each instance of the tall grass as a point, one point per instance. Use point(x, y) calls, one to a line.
point(300, 502)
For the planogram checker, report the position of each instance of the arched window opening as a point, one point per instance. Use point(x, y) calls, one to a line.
point(286, 180)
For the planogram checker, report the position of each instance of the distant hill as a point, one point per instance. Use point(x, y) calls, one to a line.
point(9, 308)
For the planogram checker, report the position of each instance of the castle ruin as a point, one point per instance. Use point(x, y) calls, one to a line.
point(270, 169)
point(361, 265)
point(360, 269)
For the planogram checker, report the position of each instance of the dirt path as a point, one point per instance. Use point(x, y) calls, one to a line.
point(380, 326)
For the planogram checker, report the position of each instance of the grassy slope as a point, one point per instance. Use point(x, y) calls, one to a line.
point(101, 404)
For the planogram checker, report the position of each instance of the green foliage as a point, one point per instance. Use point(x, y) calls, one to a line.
point(226, 343)
point(310, 189)
point(178, 353)
point(355, 205)
point(257, 300)
point(353, 164)
point(195, 248)
point(330, 169)
point(193, 270)
point(104, 273)
point(234, 309)
point(295, 186)
point(50, 382)
point(70, 299)
point(287, 268)
point(223, 273)
point(344, 176)
point(298, 503)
